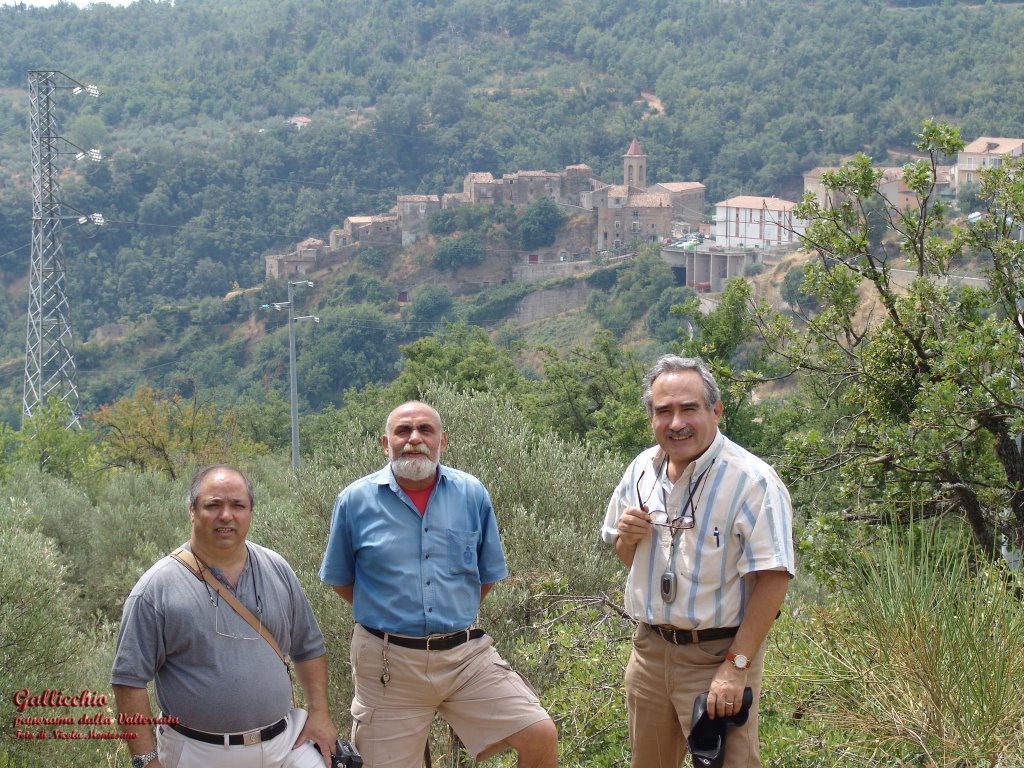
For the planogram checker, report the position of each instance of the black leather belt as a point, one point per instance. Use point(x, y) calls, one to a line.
point(687, 636)
point(431, 642)
point(234, 739)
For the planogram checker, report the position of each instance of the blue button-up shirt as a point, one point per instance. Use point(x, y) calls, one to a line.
point(414, 575)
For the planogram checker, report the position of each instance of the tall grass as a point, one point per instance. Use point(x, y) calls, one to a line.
point(919, 655)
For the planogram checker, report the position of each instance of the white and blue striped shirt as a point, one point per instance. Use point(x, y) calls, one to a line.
point(743, 523)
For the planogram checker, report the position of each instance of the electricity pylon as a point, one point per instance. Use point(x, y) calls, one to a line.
point(49, 364)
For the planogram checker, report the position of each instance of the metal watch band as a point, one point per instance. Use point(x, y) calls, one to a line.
point(141, 761)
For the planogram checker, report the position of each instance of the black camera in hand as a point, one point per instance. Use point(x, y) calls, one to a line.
point(344, 755)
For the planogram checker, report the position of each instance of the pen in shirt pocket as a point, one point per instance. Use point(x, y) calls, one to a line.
point(718, 542)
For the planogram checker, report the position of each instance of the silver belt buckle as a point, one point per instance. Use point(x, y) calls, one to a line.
point(252, 737)
point(433, 637)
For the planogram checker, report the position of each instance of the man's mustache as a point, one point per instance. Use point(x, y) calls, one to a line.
point(416, 449)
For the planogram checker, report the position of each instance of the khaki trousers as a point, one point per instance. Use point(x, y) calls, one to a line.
point(662, 680)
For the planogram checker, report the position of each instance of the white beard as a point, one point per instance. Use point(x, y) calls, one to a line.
point(415, 467)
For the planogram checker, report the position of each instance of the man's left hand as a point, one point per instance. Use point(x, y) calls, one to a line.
point(321, 731)
point(725, 695)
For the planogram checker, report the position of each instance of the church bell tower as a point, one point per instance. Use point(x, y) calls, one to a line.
point(634, 166)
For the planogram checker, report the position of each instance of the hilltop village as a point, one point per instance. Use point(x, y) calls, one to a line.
point(745, 228)
point(620, 213)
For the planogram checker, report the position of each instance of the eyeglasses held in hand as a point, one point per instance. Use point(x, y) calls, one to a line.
point(681, 522)
point(678, 523)
point(684, 521)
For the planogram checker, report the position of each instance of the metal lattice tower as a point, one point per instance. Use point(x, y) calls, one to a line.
point(49, 364)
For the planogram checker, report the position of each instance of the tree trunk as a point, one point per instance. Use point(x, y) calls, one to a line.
point(1009, 455)
point(984, 534)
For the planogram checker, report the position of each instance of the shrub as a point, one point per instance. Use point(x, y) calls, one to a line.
point(442, 222)
point(458, 252)
point(538, 226)
point(45, 644)
point(927, 663)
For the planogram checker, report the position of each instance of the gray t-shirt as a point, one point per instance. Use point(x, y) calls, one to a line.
point(212, 681)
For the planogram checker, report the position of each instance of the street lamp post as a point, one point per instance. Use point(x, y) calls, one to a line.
point(292, 376)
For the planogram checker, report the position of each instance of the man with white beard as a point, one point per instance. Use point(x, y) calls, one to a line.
point(414, 548)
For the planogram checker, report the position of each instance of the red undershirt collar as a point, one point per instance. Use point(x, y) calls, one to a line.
point(419, 497)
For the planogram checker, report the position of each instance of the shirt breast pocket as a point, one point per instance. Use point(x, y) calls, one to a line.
point(462, 551)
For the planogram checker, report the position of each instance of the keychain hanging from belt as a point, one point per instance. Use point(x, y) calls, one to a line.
point(385, 678)
point(192, 563)
point(385, 675)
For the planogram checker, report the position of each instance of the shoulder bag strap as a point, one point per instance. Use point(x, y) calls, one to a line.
point(189, 560)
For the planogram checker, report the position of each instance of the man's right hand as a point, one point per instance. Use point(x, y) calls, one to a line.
point(633, 525)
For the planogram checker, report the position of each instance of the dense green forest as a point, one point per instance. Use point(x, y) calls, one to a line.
point(203, 176)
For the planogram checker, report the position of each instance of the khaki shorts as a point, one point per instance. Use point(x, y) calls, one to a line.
point(483, 699)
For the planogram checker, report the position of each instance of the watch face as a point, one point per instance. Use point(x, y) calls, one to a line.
point(741, 661)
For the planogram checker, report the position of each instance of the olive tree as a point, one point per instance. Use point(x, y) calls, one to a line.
point(919, 368)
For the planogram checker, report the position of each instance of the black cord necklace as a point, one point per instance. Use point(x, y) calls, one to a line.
point(687, 519)
point(215, 601)
point(697, 488)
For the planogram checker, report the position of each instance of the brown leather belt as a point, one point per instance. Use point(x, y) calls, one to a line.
point(431, 642)
point(687, 636)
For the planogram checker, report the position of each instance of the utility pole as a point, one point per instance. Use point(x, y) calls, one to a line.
point(292, 375)
point(49, 364)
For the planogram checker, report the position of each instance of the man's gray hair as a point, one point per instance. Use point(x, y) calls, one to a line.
point(197, 480)
point(675, 363)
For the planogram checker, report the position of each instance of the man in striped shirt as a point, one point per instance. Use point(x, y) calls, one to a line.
point(705, 528)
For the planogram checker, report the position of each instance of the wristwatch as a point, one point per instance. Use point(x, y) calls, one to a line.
point(738, 659)
point(141, 761)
